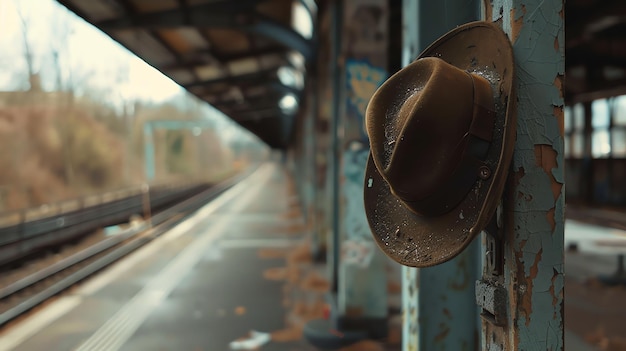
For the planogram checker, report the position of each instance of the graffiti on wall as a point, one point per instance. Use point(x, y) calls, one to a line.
point(366, 58)
point(363, 79)
point(357, 248)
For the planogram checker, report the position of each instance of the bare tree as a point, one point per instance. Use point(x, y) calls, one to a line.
point(33, 76)
point(62, 28)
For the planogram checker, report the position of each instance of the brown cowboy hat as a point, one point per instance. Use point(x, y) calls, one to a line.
point(442, 132)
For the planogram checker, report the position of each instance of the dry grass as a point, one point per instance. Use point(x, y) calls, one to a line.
point(52, 153)
point(58, 147)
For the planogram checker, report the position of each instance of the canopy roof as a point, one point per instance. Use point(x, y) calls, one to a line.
point(244, 57)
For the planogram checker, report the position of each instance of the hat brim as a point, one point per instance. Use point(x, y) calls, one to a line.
point(420, 241)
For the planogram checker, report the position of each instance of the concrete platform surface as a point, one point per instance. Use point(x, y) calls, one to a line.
point(204, 285)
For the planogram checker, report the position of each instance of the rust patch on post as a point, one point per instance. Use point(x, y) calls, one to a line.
point(556, 43)
point(558, 83)
point(545, 157)
point(555, 298)
point(558, 113)
point(551, 219)
point(525, 289)
point(442, 336)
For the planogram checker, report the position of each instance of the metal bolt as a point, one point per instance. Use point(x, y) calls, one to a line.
point(484, 172)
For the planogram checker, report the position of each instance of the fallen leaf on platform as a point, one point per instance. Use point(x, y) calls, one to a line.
point(277, 273)
point(240, 310)
point(300, 254)
point(315, 282)
point(288, 334)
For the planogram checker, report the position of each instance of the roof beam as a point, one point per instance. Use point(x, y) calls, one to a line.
point(257, 101)
point(199, 57)
point(259, 76)
point(254, 114)
point(206, 16)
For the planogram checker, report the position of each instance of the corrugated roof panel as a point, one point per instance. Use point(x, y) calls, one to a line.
point(141, 41)
point(154, 5)
point(228, 41)
point(198, 2)
point(173, 38)
point(98, 10)
point(217, 88)
point(273, 60)
point(232, 93)
point(193, 38)
point(243, 66)
point(209, 72)
point(257, 91)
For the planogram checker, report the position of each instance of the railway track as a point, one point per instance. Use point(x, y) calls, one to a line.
point(20, 296)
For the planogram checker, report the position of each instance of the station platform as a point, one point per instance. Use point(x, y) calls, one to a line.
point(238, 275)
point(234, 276)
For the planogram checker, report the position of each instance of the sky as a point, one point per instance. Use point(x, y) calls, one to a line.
point(89, 60)
point(87, 50)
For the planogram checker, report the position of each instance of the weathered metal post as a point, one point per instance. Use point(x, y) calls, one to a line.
point(529, 302)
point(358, 58)
point(148, 147)
point(362, 290)
point(441, 316)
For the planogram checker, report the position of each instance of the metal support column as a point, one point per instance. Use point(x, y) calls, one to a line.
point(532, 216)
point(411, 46)
point(148, 153)
point(587, 170)
point(334, 150)
point(362, 295)
point(442, 315)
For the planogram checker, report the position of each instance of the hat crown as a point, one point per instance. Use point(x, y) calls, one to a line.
point(419, 139)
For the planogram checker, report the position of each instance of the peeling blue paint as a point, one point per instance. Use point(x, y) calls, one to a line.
point(535, 258)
